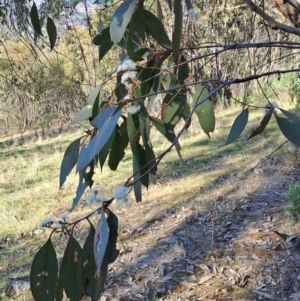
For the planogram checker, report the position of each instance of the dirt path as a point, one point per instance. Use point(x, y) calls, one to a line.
point(226, 251)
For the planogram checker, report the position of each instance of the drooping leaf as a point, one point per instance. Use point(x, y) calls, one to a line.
point(117, 152)
point(185, 114)
point(136, 33)
point(144, 122)
point(157, 30)
point(290, 129)
point(104, 42)
point(93, 96)
point(238, 126)
point(100, 241)
point(84, 114)
point(111, 253)
point(121, 19)
point(160, 15)
point(85, 181)
point(35, 21)
point(166, 129)
point(172, 106)
point(204, 110)
point(105, 123)
point(75, 2)
point(183, 70)
point(292, 116)
point(93, 283)
point(150, 158)
point(43, 274)
point(88, 264)
point(52, 32)
point(72, 277)
point(105, 150)
point(96, 106)
point(177, 32)
point(35, 34)
point(146, 77)
point(133, 128)
point(124, 134)
point(137, 188)
point(120, 91)
point(69, 161)
point(263, 124)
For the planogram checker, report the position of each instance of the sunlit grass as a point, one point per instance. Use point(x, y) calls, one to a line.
point(29, 183)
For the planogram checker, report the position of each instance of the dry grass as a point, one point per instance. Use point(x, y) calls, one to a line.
point(29, 189)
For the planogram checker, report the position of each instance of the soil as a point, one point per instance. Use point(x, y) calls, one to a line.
point(227, 252)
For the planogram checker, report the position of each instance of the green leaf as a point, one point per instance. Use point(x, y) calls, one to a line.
point(263, 124)
point(88, 264)
point(105, 150)
point(136, 33)
point(101, 240)
point(146, 77)
point(120, 91)
point(116, 153)
point(157, 30)
point(177, 32)
point(35, 34)
point(133, 128)
point(238, 126)
point(52, 32)
point(105, 123)
point(124, 134)
point(104, 43)
point(93, 284)
point(43, 274)
point(183, 70)
point(292, 116)
point(85, 181)
point(96, 106)
point(111, 253)
point(72, 277)
point(172, 106)
point(121, 19)
point(34, 16)
point(75, 2)
point(93, 96)
point(204, 111)
point(290, 129)
point(69, 161)
point(166, 129)
point(185, 114)
point(84, 114)
point(137, 186)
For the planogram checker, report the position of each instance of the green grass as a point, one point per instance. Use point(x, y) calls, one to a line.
point(29, 184)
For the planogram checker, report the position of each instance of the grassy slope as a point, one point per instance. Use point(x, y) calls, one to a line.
point(29, 183)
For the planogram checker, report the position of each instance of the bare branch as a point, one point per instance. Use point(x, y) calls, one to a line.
point(271, 22)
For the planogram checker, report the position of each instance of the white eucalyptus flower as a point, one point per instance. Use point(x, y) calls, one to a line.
point(47, 222)
point(95, 197)
point(128, 76)
point(126, 65)
point(121, 194)
point(63, 215)
point(133, 109)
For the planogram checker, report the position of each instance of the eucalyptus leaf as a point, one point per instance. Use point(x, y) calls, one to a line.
point(35, 21)
point(238, 126)
point(101, 240)
point(52, 32)
point(121, 19)
point(69, 161)
point(43, 274)
point(105, 123)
